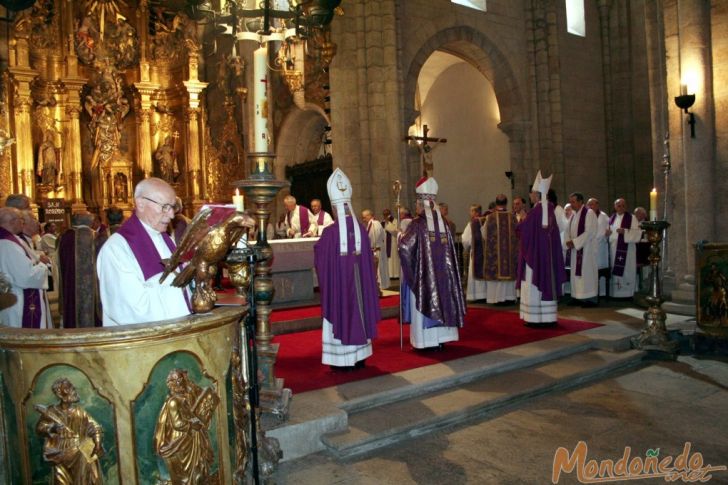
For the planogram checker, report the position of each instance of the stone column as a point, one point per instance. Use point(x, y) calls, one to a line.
point(694, 33)
point(144, 127)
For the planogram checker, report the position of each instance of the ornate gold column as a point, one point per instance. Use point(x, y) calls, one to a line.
point(72, 159)
point(144, 128)
point(22, 106)
point(194, 139)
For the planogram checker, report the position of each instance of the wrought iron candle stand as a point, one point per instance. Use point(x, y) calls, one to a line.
point(654, 336)
point(260, 192)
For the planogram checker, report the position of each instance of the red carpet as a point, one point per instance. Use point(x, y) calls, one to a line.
point(299, 356)
point(314, 311)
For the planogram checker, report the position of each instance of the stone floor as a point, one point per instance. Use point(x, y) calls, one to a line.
point(662, 405)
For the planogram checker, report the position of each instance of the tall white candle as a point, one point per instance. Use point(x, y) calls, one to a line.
point(238, 201)
point(653, 205)
point(260, 98)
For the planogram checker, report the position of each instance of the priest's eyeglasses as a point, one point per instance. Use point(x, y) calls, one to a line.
point(165, 207)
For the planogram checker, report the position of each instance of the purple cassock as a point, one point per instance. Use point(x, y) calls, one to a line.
point(349, 292)
point(541, 250)
point(430, 270)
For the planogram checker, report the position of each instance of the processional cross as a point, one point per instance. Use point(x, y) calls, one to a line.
point(422, 143)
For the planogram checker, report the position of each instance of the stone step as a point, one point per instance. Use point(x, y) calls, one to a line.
point(679, 308)
point(374, 427)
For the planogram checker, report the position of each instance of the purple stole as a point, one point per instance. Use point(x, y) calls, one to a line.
point(579, 231)
point(32, 310)
point(477, 248)
point(144, 249)
point(320, 220)
point(303, 219)
point(620, 256)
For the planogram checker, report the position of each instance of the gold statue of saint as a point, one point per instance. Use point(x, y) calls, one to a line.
point(182, 434)
point(72, 438)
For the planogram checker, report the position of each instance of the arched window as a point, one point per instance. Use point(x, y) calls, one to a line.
point(575, 19)
point(476, 4)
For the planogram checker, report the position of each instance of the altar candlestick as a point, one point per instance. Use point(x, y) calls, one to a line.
point(238, 201)
point(653, 205)
point(260, 98)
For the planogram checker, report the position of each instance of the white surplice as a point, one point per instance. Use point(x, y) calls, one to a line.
point(327, 221)
point(586, 285)
point(624, 286)
point(602, 248)
point(476, 288)
point(421, 337)
point(23, 272)
point(533, 308)
point(125, 295)
point(378, 243)
point(293, 221)
point(338, 354)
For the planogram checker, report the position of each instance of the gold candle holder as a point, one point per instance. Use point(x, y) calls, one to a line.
point(260, 192)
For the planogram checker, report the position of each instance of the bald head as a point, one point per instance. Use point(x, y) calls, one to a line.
point(620, 206)
point(593, 204)
point(155, 202)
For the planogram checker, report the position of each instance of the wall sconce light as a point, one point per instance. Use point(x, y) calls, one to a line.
point(685, 101)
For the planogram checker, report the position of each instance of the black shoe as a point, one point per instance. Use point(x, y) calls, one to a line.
point(589, 304)
point(341, 368)
point(574, 302)
point(441, 347)
point(360, 364)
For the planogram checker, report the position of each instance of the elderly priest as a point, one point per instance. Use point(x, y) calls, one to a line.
point(349, 295)
point(130, 263)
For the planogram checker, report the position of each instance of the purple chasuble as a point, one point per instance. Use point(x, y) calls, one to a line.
point(541, 250)
point(67, 263)
point(429, 268)
point(477, 244)
point(32, 309)
point(620, 256)
point(142, 246)
point(579, 231)
point(303, 219)
point(501, 254)
point(349, 292)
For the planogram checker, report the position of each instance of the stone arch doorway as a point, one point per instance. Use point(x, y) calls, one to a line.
point(299, 140)
point(480, 52)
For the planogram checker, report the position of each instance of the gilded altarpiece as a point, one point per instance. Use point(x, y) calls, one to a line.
point(100, 94)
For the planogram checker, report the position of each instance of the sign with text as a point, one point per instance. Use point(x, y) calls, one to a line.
point(54, 210)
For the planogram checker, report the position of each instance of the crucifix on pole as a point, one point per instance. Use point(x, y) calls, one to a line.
point(423, 145)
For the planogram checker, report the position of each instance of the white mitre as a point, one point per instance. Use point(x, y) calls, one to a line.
point(339, 188)
point(426, 190)
point(542, 185)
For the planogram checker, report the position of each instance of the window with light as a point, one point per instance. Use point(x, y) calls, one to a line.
point(476, 4)
point(575, 18)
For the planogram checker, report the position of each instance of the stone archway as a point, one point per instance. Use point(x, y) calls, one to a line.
point(299, 139)
point(477, 49)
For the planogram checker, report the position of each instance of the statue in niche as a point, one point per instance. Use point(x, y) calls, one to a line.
point(107, 106)
point(48, 161)
point(121, 193)
point(72, 438)
point(181, 436)
point(172, 33)
point(166, 159)
point(86, 39)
